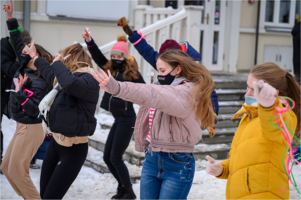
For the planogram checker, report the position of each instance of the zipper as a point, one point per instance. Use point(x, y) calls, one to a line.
point(111, 94)
point(126, 105)
point(110, 102)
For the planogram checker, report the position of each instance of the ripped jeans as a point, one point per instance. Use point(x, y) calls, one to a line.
point(167, 175)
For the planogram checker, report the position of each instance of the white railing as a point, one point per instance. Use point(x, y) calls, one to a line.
point(161, 24)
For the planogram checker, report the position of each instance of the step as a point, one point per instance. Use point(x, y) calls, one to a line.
point(229, 107)
point(222, 135)
point(230, 81)
point(231, 94)
point(224, 121)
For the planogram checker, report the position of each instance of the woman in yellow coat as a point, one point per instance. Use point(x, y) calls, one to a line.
point(254, 169)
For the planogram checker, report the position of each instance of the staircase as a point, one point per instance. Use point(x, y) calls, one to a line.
point(230, 90)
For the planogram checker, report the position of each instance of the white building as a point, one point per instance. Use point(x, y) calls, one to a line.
point(223, 31)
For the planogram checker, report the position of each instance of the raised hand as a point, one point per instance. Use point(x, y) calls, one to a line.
point(213, 167)
point(264, 93)
point(31, 49)
point(9, 9)
point(124, 24)
point(102, 78)
point(21, 82)
point(86, 35)
point(59, 57)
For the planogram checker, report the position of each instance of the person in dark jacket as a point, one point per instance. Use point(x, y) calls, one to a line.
point(24, 99)
point(123, 67)
point(9, 65)
point(296, 50)
point(70, 118)
point(150, 55)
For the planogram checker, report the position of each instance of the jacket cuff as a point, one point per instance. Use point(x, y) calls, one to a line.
point(21, 96)
point(272, 108)
point(12, 24)
point(225, 173)
point(113, 86)
point(91, 43)
point(134, 37)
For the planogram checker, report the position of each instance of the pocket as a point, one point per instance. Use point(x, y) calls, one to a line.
point(247, 180)
point(65, 121)
point(182, 158)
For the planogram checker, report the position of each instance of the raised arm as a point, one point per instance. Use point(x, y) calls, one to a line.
point(95, 52)
point(171, 100)
point(136, 38)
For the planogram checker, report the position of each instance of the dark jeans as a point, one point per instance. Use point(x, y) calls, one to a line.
point(167, 175)
point(60, 168)
point(116, 144)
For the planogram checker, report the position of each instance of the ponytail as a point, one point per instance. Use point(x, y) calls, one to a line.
point(294, 93)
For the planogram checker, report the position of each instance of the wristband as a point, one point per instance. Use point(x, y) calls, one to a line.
point(17, 29)
point(32, 56)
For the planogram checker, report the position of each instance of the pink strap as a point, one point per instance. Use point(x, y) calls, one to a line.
point(142, 36)
point(91, 45)
point(29, 94)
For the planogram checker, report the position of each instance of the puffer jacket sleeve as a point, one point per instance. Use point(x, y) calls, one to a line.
point(43, 66)
point(78, 86)
point(17, 42)
point(96, 54)
point(269, 131)
point(144, 49)
point(172, 100)
point(31, 106)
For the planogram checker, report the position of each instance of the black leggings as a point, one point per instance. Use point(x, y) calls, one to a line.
point(60, 168)
point(116, 144)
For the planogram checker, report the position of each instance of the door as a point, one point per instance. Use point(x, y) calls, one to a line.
point(212, 32)
point(280, 55)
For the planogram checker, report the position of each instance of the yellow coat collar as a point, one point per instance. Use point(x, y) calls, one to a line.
point(250, 110)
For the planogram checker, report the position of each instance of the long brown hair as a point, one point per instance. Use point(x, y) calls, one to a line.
point(79, 58)
point(45, 54)
point(283, 81)
point(200, 76)
point(130, 69)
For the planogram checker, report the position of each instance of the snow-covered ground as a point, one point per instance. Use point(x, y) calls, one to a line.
point(91, 184)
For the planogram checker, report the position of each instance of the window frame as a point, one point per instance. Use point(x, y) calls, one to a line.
point(276, 22)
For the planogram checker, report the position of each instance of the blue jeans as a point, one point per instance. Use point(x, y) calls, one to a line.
point(167, 175)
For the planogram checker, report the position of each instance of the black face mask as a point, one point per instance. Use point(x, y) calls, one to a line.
point(118, 64)
point(26, 59)
point(167, 79)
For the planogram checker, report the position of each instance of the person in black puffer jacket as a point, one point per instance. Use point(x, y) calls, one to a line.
point(124, 68)
point(9, 65)
point(70, 118)
point(23, 108)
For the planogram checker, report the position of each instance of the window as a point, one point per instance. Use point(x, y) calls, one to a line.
point(279, 13)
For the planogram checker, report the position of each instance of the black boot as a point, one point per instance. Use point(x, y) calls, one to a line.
point(119, 193)
point(33, 164)
point(128, 193)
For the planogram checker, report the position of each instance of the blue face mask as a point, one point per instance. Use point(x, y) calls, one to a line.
point(249, 100)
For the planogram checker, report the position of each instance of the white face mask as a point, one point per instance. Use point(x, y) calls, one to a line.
point(249, 100)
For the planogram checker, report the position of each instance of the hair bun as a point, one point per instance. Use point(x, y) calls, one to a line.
point(122, 37)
